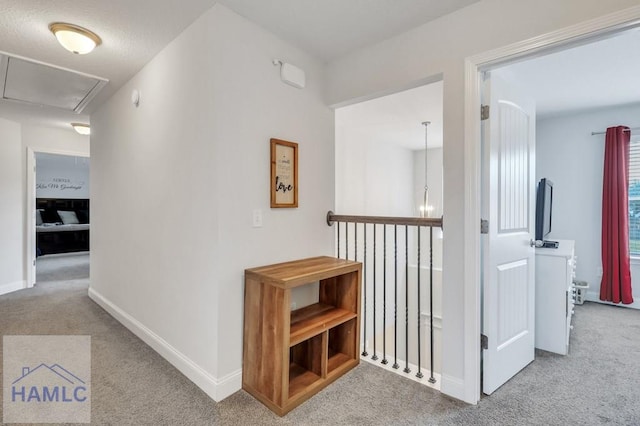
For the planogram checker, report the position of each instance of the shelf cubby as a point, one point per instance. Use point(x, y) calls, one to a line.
point(341, 349)
point(306, 364)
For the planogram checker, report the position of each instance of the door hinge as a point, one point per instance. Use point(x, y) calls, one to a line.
point(484, 342)
point(484, 112)
point(484, 226)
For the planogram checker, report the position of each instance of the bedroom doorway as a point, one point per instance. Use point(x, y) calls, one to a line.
point(58, 223)
point(562, 42)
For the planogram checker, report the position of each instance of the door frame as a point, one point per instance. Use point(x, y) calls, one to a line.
point(582, 33)
point(30, 246)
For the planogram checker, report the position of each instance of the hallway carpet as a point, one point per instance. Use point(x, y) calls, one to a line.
point(598, 383)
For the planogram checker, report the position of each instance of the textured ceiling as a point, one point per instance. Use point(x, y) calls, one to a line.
point(134, 31)
point(595, 75)
point(331, 28)
point(396, 119)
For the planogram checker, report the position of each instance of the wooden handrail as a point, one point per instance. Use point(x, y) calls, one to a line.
point(385, 220)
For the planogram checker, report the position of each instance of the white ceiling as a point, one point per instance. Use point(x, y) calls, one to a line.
point(397, 119)
point(330, 28)
point(595, 75)
point(133, 31)
point(600, 74)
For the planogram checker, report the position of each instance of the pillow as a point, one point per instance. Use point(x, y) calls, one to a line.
point(68, 217)
point(38, 217)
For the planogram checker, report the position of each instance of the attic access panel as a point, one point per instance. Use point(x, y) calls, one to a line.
point(45, 85)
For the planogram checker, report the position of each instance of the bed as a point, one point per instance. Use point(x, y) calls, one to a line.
point(62, 225)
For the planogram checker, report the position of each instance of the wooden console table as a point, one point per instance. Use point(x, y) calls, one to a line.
point(288, 356)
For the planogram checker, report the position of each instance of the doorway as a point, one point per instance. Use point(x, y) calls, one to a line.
point(58, 227)
point(579, 93)
point(560, 40)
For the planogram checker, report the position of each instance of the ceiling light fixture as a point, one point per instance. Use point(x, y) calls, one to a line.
point(81, 128)
point(74, 38)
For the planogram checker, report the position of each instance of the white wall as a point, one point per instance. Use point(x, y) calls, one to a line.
point(253, 106)
point(54, 140)
point(175, 181)
point(441, 46)
point(372, 178)
point(568, 155)
point(11, 214)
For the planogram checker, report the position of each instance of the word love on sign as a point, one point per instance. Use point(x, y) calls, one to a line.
point(282, 187)
point(284, 174)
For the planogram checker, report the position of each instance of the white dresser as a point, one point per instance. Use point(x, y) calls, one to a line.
point(555, 270)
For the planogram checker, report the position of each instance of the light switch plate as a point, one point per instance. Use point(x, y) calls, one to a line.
point(257, 218)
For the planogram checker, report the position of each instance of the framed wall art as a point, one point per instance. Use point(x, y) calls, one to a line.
point(284, 174)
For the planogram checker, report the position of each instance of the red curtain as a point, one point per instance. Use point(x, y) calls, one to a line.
point(616, 275)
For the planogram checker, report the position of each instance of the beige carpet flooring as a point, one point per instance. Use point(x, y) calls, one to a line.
point(598, 383)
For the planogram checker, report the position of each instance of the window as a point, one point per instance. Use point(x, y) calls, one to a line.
point(634, 196)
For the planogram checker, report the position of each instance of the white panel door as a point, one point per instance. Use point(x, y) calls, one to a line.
point(508, 202)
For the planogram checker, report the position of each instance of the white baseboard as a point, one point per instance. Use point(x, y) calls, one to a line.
point(228, 385)
point(217, 389)
point(400, 371)
point(594, 296)
point(453, 387)
point(14, 286)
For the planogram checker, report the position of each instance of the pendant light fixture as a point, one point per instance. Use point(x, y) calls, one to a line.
point(74, 38)
point(425, 208)
point(81, 128)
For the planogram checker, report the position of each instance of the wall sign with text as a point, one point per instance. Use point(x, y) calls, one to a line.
point(70, 185)
point(284, 174)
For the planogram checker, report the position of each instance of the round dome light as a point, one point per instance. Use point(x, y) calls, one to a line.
point(74, 38)
point(81, 128)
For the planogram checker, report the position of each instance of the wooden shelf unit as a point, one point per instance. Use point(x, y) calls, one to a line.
point(290, 355)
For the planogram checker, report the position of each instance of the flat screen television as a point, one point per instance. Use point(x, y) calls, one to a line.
point(544, 204)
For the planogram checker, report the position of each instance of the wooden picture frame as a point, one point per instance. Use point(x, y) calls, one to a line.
point(284, 174)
